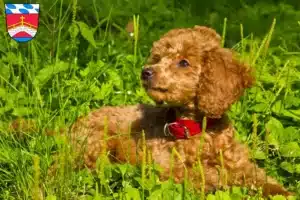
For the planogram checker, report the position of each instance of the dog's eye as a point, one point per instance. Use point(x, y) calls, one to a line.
point(183, 63)
point(155, 59)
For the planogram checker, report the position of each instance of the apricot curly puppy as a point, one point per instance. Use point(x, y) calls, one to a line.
point(190, 71)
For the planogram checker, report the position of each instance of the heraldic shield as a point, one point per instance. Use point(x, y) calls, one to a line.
point(22, 21)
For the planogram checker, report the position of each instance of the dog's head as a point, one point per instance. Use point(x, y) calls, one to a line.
point(189, 68)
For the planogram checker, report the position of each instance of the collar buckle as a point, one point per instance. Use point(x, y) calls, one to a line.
point(167, 131)
point(186, 132)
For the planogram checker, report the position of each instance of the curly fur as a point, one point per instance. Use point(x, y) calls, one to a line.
point(213, 81)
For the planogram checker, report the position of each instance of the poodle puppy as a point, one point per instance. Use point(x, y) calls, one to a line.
point(191, 78)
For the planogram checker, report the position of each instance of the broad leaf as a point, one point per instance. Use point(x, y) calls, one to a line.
point(290, 149)
point(87, 33)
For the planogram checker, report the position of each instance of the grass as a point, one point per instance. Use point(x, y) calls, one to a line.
point(84, 60)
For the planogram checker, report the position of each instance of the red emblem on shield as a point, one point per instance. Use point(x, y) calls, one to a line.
point(22, 21)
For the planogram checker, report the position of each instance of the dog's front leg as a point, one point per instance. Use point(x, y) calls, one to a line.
point(107, 130)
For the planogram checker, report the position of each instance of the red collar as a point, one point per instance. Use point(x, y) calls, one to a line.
point(184, 128)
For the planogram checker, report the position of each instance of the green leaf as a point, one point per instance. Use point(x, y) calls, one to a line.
point(93, 69)
point(277, 107)
point(272, 141)
point(287, 166)
point(211, 197)
point(297, 168)
point(11, 58)
point(3, 93)
point(115, 78)
point(123, 169)
point(258, 154)
point(132, 193)
point(221, 195)
point(277, 60)
point(236, 190)
point(292, 101)
point(260, 107)
point(4, 71)
point(267, 78)
point(295, 114)
point(290, 150)
point(276, 129)
point(22, 111)
point(105, 90)
point(73, 30)
point(49, 71)
point(87, 33)
point(130, 58)
point(236, 107)
point(290, 134)
point(95, 89)
point(275, 126)
point(4, 110)
point(156, 194)
point(236, 193)
point(51, 197)
point(278, 197)
point(84, 72)
point(291, 198)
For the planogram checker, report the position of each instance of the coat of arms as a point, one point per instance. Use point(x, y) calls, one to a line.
point(22, 21)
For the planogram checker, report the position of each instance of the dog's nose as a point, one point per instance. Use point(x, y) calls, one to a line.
point(147, 74)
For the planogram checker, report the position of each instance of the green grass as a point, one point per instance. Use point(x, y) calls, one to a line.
point(82, 58)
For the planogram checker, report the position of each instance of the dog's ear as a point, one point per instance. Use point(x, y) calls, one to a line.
point(222, 81)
